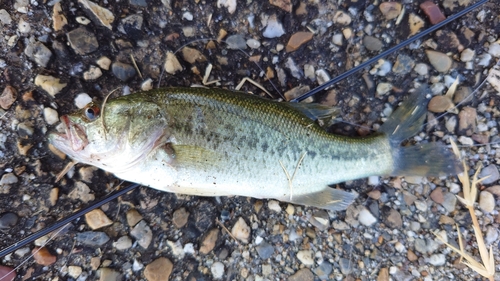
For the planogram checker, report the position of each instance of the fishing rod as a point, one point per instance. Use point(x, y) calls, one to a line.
point(388, 52)
point(314, 91)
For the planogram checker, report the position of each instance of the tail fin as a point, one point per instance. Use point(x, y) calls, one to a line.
point(328, 198)
point(430, 159)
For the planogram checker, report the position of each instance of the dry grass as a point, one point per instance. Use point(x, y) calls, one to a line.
point(487, 267)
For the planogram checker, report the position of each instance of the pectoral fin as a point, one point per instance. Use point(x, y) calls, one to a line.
point(328, 198)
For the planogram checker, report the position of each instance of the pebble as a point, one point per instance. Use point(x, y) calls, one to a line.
point(7, 273)
point(58, 18)
point(123, 243)
point(192, 55)
point(297, 40)
point(82, 99)
point(495, 190)
point(92, 238)
point(467, 120)
point(159, 270)
point(187, 16)
point(383, 88)
point(274, 29)
point(421, 69)
point(390, 10)
point(467, 55)
point(346, 266)
point(97, 219)
point(265, 250)
point(433, 12)
point(491, 172)
point(104, 16)
point(172, 64)
point(437, 259)
point(81, 192)
point(49, 84)
point(74, 271)
point(23, 26)
point(82, 40)
point(449, 202)
point(217, 270)
point(404, 64)
point(42, 256)
point(108, 274)
point(337, 39)
point(323, 270)
point(366, 218)
point(486, 201)
point(92, 74)
point(5, 18)
point(104, 62)
point(236, 42)
point(440, 61)
point(274, 205)
point(141, 3)
point(147, 85)
point(142, 233)
point(491, 235)
point(8, 220)
point(253, 44)
point(180, 218)
point(437, 195)
point(494, 49)
point(123, 71)
point(306, 257)
point(411, 256)
point(285, 5)
point(229, 4)
point(290, 209)
point(209, 241)
point(416, 23)
point(373, 44)
point(304, 274)
point(51, 116)
point(241, 230)
point(342, 17)
point(39, 53)
point(393, 219)
point(8, 97)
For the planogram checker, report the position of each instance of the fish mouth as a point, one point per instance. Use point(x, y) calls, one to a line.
point(74, 133)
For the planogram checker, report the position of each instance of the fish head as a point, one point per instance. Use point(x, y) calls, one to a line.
point(113, 139)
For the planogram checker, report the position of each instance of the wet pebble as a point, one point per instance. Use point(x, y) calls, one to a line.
point(265, 250)
point(42, 256)
point(8, 220)
point(104, 62)
point(92, 238)
point(38, 53)
point(491, 172)
point(192, 55)
point(373, 44)
point(180, 217)
point(142, 233)
point(337, 39)
point(236, 42)
point(304, 274)
point(217, 270)
point(390, 10)
point(208, 242)
point(433, 12)
point(486, 201)
point(23, 26)
point(273, 28)
point(229, 4)
point(123, 71)
point(123, 243)
point(383, 274)
point(49, 84)
point(82, 41)
point(440, 61)
point(97, 219)
point(306, 257)
point(8, 97)
point(416, 23)
point(172, 64)
point(297, 40)
point(241, 230)
point(285, 5)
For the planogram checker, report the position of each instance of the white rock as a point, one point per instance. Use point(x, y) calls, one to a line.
point(104, 62)
point(306, 257)
point(74, 271)
point(82, 100)
point(465, 141)
point(8, 178)
point(103, 15)
point(50, 84)
point(420, 205)
point(374, 180)
point(123, 243)
point(491, 235)
point(494, 49)
point(252, 43)
point(437, 259)
point(421, 69)
point(217, 270)
point(322, 76)
point(309, 71)
point(366, 218)
point(187, 16)
point(50, 115)
point(383, 88)
point(274, 28)
point(82, 20)
point(189, 248)
point(23, 26)
point(341, 17)
point(484, 59)
point(241, 230)
point(337, 39)
point(172, 64)
point(399, 247)
point(92, 74)
point(5, 18)
point(274, 205)
point(486, 201)
point(229, 4)
point(467, 55)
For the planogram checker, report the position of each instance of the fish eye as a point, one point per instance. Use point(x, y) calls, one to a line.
point(91, 112)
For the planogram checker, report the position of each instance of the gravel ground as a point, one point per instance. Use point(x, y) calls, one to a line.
point(58, 55)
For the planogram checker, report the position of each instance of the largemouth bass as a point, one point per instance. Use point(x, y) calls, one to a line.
point(214, 142)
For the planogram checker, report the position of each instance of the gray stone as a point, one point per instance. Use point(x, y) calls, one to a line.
point(274, 28)
point(123, 71)
point(492, 172)
point(449, 202)
point(8, 220)
point(132, 26)
point(404, 64)
point(345, 266)
point(143, 234)
point(304, 274)
point(92, 238)
point(236, 42)
point(372, 43)
point(141, 3)
point(265, 250)
point(323, 270)
point(5, 18)
point(39, 53)
point(82, 41)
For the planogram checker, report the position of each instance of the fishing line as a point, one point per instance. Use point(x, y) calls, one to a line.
point(23, 242)
point(388, 52)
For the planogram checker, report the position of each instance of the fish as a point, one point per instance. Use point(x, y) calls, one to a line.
point(216, 142)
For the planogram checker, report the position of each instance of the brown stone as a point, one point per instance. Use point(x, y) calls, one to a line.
point(394, 219)
point(8, 97)
point(97, 219)
point(283, 4)
point(304, 274)
point(180, 218)
point(467, 121)
point(159, 270)
point(433, 12)
point(209, 241)
point(437, 195)
point(390, 10)
point(411, 256)
point(374, 194)
point(42, 256)
point(383, 274)
point(133, 217)
point(439, 104)
point(297, 40)
point(446, 220)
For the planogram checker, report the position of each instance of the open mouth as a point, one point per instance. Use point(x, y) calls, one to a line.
point(75, 133)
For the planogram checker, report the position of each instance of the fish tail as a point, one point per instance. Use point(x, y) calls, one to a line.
point(429, 159)
point(328, 198)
